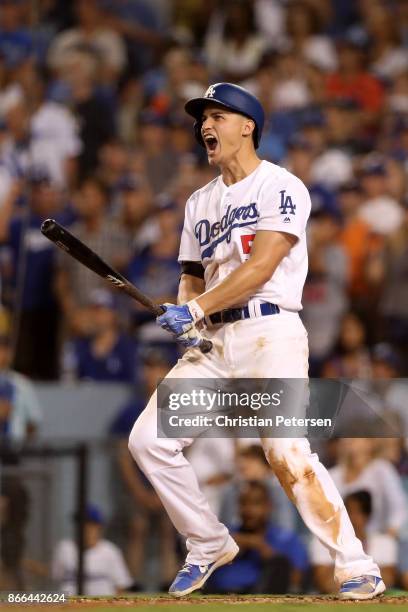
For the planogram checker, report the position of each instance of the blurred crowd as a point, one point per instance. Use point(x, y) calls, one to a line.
point(93, 134)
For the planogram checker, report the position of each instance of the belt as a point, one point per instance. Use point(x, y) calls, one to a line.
point(230, 315)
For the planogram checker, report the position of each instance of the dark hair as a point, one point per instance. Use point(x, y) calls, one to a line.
point(96, 182)
point(254, 451)
point(253, 486)
point(312, 17)
point(245, 7)
point(363, 498)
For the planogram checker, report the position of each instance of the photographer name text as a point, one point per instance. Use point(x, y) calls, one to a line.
point(222, 420)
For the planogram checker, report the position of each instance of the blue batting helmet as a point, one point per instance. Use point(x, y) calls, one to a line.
point(234, 98)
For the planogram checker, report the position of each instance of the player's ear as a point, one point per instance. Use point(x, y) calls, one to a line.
point(248, 127)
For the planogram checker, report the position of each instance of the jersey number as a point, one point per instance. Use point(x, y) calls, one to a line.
point(246, 242)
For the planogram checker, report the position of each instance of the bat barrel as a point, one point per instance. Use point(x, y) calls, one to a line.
point(79, 251)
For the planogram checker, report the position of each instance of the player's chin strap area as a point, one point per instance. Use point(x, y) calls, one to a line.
point(251, 311)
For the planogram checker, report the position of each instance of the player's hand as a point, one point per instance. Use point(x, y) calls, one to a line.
point(190, 339)
point(176, 319)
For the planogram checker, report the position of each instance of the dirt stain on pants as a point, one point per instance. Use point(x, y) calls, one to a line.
point(305, 479)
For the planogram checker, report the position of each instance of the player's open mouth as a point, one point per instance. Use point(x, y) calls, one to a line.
point(210, 143)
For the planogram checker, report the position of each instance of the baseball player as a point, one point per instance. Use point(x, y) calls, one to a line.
point(243, 258)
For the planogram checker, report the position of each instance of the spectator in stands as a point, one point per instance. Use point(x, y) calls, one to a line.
point(20, 416)
point(14, 508)
point(342, 119)
point(270, 19)
point(7, 392)
point(104, 566)
point(16, 41)
point(94, 109)
point(138, 512)
point(94, 36)
point(291, 92)
point(156, 272)
point(351, 356)
point(191, 19)
point(135, 204)
point(54, 131)
point(181, 137)
point(379, 210)
point(332, 164)
point(271, 559)
point(106, 354)
point(233, 46)
point(31, 277)
point(262, 82)
point(14, 498)
point(113, 166)
point(388, 58)
point(213, 461)
point(40, 132)
point(301, 161)
point(384, 216)
point(397, 102)
point(141, 25)
point(179, 77)
point(324, 298)
point(303, 28)
point(356, 238)
point(129, 105)
point(105, 236)
point(395, 295)
point(388, 388)
point(401, 15)
point(16, 150)
point(395, 451)
point(20, 407)
point(352, 80)
point(381, 547)
point(251, 465)
point(159, 167)
point(360, 468)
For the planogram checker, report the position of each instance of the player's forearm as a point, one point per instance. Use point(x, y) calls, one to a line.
point(236, 289)
point(268, 250)
point(189, 288)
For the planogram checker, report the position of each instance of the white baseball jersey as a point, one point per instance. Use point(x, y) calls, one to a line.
point(221, 222)
point(105, 568)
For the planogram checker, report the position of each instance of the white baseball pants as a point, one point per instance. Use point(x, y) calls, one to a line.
point(273, 346)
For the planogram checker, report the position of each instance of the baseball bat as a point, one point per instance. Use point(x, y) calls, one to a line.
point(66, 241)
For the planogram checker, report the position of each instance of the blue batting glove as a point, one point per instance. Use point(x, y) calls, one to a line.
point(176, 319)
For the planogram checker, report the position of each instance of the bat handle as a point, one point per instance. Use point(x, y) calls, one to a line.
point(205, 346)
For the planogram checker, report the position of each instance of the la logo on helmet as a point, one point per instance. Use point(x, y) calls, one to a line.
point(210, 93)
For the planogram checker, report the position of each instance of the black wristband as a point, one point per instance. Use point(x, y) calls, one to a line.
point(193, 268)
